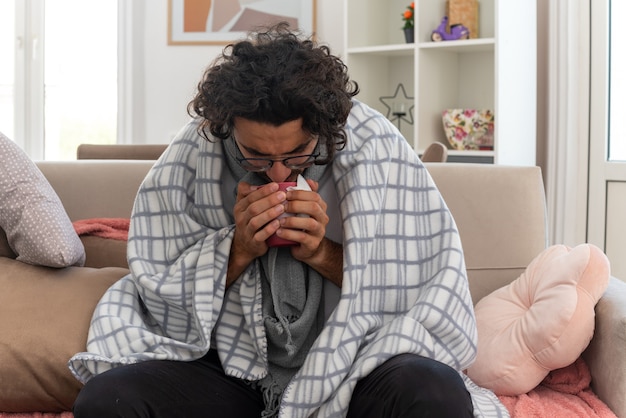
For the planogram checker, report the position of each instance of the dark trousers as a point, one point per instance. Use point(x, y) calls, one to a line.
point(404, 386)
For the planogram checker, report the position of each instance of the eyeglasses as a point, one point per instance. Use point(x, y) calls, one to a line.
point(261, 165)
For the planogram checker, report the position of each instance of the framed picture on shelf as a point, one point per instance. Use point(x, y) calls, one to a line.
point(219, 22)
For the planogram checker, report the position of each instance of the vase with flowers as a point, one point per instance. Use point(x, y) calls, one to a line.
point(408, 17)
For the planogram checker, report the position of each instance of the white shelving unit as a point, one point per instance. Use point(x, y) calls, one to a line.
point(495, 71)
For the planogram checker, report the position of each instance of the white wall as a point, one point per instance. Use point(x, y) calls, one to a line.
point(165, 77)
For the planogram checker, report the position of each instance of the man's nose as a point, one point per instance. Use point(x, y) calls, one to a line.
point(278, 172)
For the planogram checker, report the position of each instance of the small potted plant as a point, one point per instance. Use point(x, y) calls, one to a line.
point(408, 17)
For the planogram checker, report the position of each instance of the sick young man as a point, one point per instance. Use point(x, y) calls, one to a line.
point(367, 315)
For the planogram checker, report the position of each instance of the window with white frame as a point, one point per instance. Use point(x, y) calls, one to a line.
point(59, 88)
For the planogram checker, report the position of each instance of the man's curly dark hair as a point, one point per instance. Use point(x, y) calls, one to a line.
point(276, 77)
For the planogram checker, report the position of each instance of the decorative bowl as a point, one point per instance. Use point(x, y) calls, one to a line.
point(469, 129)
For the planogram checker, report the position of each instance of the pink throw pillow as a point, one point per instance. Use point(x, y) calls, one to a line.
point(541, 321)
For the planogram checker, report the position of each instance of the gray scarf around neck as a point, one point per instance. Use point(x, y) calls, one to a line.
point(292, 304)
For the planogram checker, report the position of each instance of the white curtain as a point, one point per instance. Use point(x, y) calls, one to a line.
point(567, 120)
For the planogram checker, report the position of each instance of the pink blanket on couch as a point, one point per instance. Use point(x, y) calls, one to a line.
point(563, 393)
point(112, 228)
point(36, 415)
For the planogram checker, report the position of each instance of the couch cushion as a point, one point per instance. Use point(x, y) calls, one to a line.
point(5, 248)
point(120, 151)
point(541, 321)
point(104, 252)
point(97, 188)
point(31, 214)
point(500, 212)
point(44, 320)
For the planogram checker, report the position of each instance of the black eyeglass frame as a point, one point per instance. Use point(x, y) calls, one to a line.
point(246, 164)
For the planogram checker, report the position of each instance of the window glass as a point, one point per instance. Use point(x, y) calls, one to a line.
point(80, 75)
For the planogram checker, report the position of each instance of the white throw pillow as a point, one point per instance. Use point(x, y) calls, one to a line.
point(37, 227)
